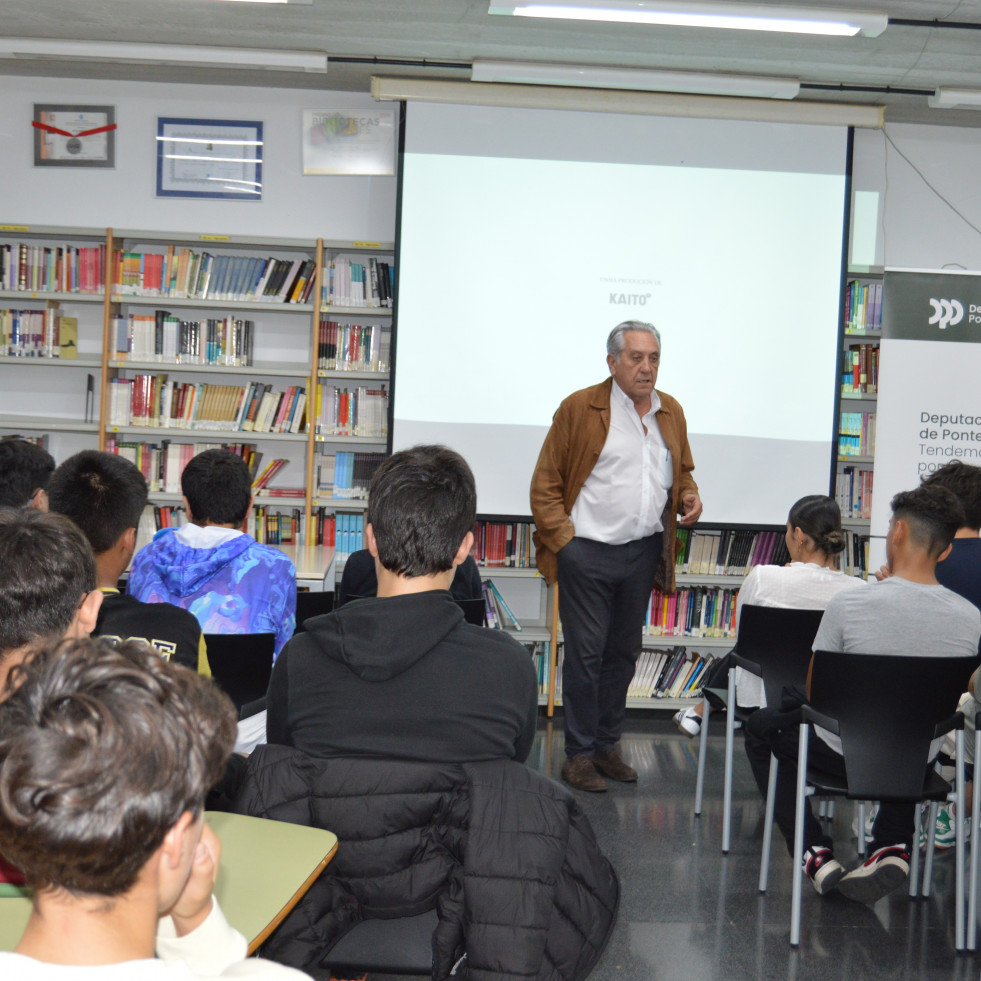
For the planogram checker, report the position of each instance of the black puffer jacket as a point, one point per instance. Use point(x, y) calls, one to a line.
point(504, 854)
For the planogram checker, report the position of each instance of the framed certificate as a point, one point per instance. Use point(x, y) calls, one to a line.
point(342, 141)
point(74, 136)
point(209, 158)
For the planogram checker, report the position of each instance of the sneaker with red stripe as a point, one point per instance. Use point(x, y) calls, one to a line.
point(887, 868)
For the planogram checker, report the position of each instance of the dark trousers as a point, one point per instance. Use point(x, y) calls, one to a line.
point(604, 592)
point(894, 823)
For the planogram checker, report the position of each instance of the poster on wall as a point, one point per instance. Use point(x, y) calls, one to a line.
point(74, 136)
point(209, 158)
point(339, 141)
point(929, 407)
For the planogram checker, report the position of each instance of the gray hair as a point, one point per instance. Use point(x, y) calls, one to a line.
point(615, 342)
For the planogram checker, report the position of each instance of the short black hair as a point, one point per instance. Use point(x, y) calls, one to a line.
point(819, 517)
point(25, 468)
point(421, 504)
point(104, 494)
point(965, 482)
point(218, 487)
point(102, 749)
point(933, 515)
point(46, 567)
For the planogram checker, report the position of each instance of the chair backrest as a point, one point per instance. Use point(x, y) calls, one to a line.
point(311, 604)
point(474, 611)
point(241, 664)
point(887, 707)
point(781, 642)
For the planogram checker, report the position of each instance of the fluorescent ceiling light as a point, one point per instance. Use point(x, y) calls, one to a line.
point(163, 54)
point(638, 79)
point(949, 98)
point(738, 16)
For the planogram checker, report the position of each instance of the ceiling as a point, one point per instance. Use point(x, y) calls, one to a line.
point(440, 38)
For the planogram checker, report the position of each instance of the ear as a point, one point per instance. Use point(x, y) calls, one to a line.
point(464, 550)
point(175, 843)
point(611, 361)
point(945, 553)
point(900, 531)
point(86, 615)
point(187, 509)
point(39, 500)
point(127, 540)
point(370, 542)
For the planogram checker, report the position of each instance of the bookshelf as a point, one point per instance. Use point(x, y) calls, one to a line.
point(130, 335)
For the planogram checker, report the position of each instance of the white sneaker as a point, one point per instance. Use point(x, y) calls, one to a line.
point(689, 722)
point(870, 815)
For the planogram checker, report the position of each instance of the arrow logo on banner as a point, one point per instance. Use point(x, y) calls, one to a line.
point(946, 313)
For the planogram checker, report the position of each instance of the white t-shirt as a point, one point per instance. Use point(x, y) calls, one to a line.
point(798, 586)
point(213, 950)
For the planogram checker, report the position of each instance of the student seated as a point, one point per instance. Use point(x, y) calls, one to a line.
point(358, 580)
point(908, 613)
point(104, 495)
point(25, 469)
point(402, 676)
point(230, 582)
point(47, 591)
point(105, 756)
point(814, 540)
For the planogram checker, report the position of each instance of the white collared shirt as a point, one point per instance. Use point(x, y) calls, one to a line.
point(624, 496)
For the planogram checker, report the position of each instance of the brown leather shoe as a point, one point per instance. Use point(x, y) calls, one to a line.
point(610, 764)
point(579, 772)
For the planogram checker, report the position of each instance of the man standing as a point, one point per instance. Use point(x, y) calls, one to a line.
point(612, 474)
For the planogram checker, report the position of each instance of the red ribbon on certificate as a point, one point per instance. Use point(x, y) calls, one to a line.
point(62, 132)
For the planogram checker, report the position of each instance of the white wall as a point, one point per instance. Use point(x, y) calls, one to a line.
point(292, 205)
point(914, 227)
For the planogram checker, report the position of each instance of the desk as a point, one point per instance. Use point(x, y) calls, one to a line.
point(311, 561)
point(266, 867)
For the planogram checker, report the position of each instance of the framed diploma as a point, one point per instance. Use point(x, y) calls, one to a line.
point(209, 158)
point(74, 136)
point(342, 141)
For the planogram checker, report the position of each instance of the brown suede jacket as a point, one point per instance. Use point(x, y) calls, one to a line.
point(567, 458)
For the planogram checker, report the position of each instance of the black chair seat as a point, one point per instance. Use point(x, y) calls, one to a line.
point(399, 946)
point(241, 665)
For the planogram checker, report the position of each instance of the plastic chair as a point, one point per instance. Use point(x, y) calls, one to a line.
point(241, 664)
point(775, 645)
point(311, 604)
point(886, 709)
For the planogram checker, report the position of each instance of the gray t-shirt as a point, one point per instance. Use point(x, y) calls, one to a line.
point(897, 616)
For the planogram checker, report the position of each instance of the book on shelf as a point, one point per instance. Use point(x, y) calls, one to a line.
point(325, 526)
point(863, 306)
point(158, 401)
point(269, 471)
point(345, 475)
point(348, 534)
point(162, 337)
point(729, 552)
point(353, 283)
point(490, 608)
point(853, 492)
point(538, 650)
point(182, 273)
point(692, 611)
point(362, 411)
point(353, 347)
point(861, 370)
point(502, 611)
point(854, 559)
point(856, 434)
point(504, 544)
point(163, 463)
point(271, 526)
point(26, 267)
point(46, 333)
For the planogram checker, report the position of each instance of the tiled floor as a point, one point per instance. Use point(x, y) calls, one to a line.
point(689, 913)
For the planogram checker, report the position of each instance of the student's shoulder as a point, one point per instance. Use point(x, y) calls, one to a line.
point(269, 555)
point(499, 644)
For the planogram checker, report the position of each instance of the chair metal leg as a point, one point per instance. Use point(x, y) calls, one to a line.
point(959, 841)
point(860, 839)
point(972, 901)
point(702, 753)
point(914, 868)
point(727, 783)
point(931, 842)
point(771, 786)
point(796, 859)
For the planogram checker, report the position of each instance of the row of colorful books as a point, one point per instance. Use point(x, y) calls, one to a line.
point(692, 611)
point(156, 401)
point(345, 475)
point(509, 543)
point(676, 673)
point(498, 615)
point(167, 339)
point(861, 370)
point(538, 652)
point(348, 535)
point(863, 306)
point(856, 434)
point(163, 463)
point(353, 347)
point(362, 411)
point(354, 283)
point(52, 268)
point(38, 333)
point(275, 527)
point(728, 552)
point(855, 558)
point(184, 273)
point(853, 492)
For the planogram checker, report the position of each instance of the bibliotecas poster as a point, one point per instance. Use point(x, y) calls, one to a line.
point(929, 404)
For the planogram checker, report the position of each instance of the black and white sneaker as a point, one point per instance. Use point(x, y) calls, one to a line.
point(688, 721)
point(823, 869)
point(887, 868)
